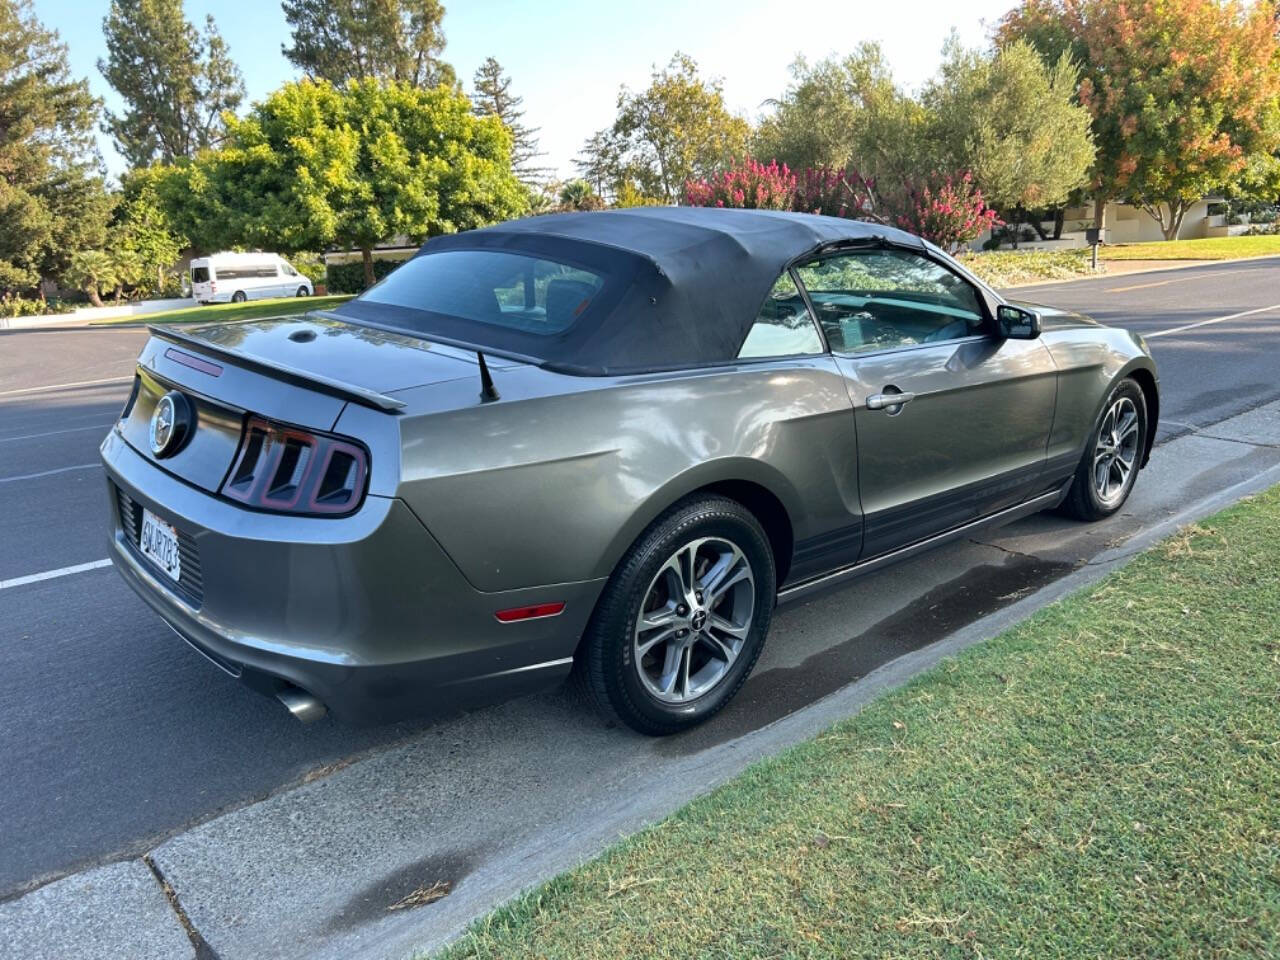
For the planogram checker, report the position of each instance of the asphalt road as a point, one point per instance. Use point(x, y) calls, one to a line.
point(113, 734)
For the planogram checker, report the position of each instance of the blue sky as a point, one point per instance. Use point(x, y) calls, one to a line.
point(568, 57)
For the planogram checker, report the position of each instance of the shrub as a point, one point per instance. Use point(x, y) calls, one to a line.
point(580, 195)
point(949, 213)
point(349, 277)
point(32, 307)
point(1006, 268)
point(311, 266)
point(629, 195)
point(835, 193)
point(750, 185)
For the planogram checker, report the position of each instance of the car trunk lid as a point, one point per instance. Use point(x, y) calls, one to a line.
point(297, 371)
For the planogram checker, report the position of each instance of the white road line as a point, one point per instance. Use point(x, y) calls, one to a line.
point(65, 386)
point(53, 574)
point(1205, 323)
point(50, 473)
point(54, 433)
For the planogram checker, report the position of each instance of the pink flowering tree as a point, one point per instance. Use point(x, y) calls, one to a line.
point(749, 185)
point(836, 193)
point(949, 212)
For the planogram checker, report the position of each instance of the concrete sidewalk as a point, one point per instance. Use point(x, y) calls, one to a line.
point(84, 316)
point(314, 871)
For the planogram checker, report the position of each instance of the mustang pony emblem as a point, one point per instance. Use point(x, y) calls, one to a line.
point(170, 424)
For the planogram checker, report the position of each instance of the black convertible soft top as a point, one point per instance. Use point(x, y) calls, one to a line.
point(686, 283)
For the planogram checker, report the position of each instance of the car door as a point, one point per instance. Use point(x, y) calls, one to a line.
point(969, 435)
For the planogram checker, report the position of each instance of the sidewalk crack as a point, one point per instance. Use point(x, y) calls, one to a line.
point(1247, 443)
point(199, 943)
point(1008, 550)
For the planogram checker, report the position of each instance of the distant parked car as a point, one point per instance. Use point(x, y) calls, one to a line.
point(604, 441)
point(236, 277)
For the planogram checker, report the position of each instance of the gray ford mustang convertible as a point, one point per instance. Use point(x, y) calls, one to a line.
point(606, 443)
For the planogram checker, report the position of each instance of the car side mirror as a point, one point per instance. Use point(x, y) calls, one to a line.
point(1017, 323)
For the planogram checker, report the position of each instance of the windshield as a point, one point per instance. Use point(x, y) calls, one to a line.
point(526, 293)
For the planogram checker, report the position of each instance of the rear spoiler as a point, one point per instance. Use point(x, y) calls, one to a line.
point(336, 388)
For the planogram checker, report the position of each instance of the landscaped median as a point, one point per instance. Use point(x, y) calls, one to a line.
point(250, 310)
point(1009, 268)
point(1102, 780)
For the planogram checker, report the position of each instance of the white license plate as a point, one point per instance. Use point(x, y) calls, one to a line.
point(158, 542)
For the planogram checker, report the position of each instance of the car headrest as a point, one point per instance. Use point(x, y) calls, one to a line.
point(566, 299)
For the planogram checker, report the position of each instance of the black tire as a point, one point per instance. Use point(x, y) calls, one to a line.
point(238, 297)
point(607, 667)
point(302, 292)
point(1084, 501)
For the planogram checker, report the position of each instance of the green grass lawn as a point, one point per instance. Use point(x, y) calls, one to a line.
point(1100, 781)
point(1211, 248)
point(250, 310)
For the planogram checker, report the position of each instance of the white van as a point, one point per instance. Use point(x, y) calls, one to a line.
point(223, 277)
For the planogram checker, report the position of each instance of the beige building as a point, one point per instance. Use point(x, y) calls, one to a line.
point(1129, 224)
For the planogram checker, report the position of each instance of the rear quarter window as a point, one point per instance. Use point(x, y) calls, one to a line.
point(526, 293)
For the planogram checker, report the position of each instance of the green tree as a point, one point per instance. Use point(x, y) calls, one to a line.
point(1183, 93)
point(142, 228)
point(1012, 121)
point(601, 160)
point(841, 113)
point(676, 130)
point(52, 197)
point(493, 98)
point(176, 83)
point(314, 166)
point(341, 40)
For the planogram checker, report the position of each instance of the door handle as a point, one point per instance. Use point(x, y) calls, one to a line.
point(887, 401)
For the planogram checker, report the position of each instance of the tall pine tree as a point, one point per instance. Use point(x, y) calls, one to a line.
point(175, 81)
point(52, 198)
point(493, 98)
point(341, 40)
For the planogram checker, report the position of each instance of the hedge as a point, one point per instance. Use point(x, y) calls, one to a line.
point(349, 277)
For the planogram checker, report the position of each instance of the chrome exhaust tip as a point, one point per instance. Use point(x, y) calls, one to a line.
point(302, 705)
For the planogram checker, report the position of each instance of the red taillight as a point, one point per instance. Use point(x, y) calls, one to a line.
point(530, 612)
point(289, 470)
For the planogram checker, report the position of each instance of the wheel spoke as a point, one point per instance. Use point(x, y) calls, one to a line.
point(1122, 469)
point(711, 580)
point(648, 643)
point(721, 649)
point(1128, 427)
point(727, 626)
point(671, 668)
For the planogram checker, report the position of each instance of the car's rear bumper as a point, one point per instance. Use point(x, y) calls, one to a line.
point(366, 613)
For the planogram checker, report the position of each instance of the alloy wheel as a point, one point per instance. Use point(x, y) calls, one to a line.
point(695, 619)
point(1115, 455)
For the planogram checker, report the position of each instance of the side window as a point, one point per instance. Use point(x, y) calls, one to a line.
point(783, 327)
point(881, 299)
